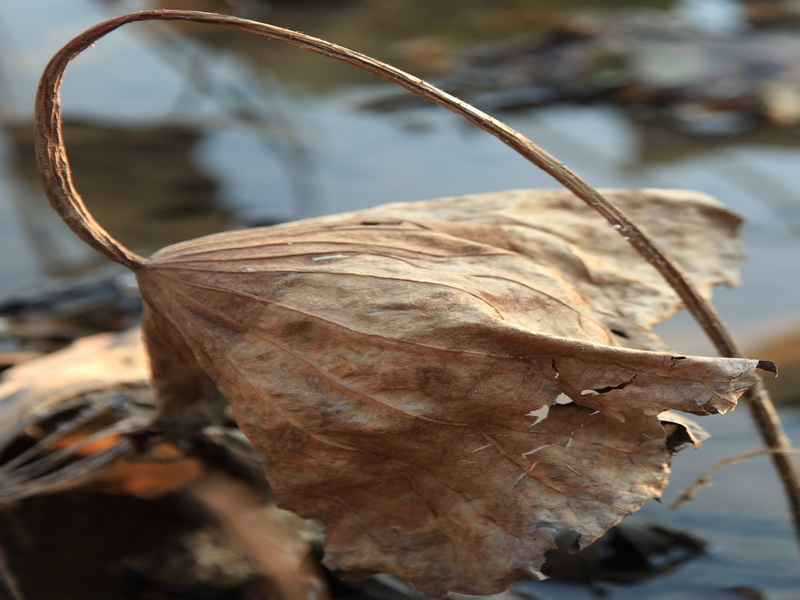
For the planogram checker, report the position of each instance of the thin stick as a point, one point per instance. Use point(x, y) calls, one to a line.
point(690, 492)
point(57, 182)
point(8, 578)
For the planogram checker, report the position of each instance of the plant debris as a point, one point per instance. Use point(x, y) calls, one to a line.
point(416, 353)
point(448, 396)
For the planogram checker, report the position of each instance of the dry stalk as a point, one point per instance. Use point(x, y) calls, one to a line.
point(705, 478)
point(57, 181)
point(8, 579)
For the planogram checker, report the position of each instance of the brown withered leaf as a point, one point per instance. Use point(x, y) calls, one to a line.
point(556, 228)
point(64, 416)
point(90, 365)
point(439, 395)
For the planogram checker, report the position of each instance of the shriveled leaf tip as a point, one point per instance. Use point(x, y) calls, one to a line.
point(766, 365)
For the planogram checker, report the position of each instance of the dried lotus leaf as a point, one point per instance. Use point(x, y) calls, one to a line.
point(443, 401)
point(444, 406)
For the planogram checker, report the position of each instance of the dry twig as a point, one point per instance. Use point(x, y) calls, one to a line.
point(704, 480)
point(8, 579)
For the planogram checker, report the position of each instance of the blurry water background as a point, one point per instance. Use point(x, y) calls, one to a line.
point(189, 130)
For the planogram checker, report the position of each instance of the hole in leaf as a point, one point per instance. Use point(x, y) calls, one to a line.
point(611, 388)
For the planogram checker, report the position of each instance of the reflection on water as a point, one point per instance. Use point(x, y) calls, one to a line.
point(171, 126)
point(134, 176)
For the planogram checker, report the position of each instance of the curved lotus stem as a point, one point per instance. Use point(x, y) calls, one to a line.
point(55, 173)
